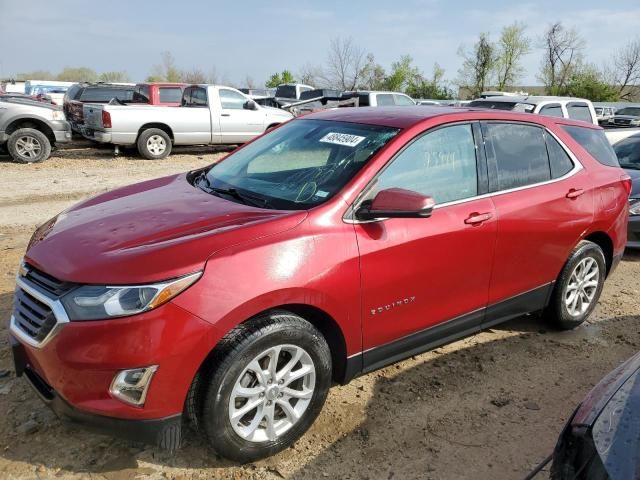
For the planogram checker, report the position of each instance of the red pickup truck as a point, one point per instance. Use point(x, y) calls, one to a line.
point(164, 94)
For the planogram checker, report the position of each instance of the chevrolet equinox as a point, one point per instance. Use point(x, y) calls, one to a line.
point(232, 297)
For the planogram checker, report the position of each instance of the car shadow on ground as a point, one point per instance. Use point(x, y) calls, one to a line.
point(422, 414)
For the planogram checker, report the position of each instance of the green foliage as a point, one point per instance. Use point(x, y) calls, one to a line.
point(433, 88)
point(478, 66)
point(279, 78)
point(403, 74)
point(35, 75)
point(114, 77)
point(77, 74)
point(588, 82)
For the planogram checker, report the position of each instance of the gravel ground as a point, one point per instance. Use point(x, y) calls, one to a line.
point(489, 406)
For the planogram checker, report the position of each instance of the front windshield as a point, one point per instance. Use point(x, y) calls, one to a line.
point(628, 152)
point(635, 111)
point(297, 166)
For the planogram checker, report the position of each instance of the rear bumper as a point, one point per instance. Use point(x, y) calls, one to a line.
point(163, 432)
point(102, 137)
point(633, 232)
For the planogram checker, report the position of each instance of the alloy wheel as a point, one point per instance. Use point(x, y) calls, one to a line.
point(582, 286)
point(28, 147)
point(156, 145)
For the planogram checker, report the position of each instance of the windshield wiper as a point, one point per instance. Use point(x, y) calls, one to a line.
point(243, 197)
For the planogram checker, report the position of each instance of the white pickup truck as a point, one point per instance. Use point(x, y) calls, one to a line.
point(209, 114)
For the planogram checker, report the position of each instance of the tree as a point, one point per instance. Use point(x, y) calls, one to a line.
point(373, 75)
point(562, 57)
point(77, 74)
point(589, 82)
point(35, 75)
point(114, 77)
point(478, 65)
point(403, 73)
point(167, 70)
point(512, 46)
point(345, 64)
point(310, 75)
point(195, 75)
point(434, 88)
point(279, 78)
point(626, 64)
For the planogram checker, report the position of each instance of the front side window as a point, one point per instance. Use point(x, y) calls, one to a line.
point(517, 155)
point(297, 166)
point(579, 111)
point(441, 164)
point(552, 110)
point(402, 100)
point(595, 142)
point(384, 99)
point(170, 94)
point(231, 100)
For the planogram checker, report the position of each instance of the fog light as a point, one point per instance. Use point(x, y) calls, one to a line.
point(131, 386)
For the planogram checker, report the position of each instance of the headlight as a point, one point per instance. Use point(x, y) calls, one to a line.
point(96, 302)
point(634, 206)
point(635, 122)
point(58, 115)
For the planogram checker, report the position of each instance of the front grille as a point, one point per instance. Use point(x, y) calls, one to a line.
point(33, 317)
point(47, 282)
point(621, 121)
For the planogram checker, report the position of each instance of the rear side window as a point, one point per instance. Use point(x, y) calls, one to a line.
point(579, 111)
point(384, 99)
point(553, 110)
point(104, 94)
point(559, 159)
point(194, 97)
point(595, 142)
point(170, 94)
point(517, 155)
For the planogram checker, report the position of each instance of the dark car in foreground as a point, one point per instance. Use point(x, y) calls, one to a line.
point(338, 243)
point(628, 153)
point(601, 440)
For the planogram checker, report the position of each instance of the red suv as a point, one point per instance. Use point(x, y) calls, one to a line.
point(338, 243)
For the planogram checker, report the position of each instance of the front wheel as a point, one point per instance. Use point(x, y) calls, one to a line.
point(154, 144)
point(578, 287)
point(269, 381)
point(28, 145)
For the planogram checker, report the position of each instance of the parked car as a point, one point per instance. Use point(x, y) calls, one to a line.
point(29, 129)
point(37, 98)
point(209, 115)
point(626, 117)
point(565, 107)
point(165, 94)
point(604, 114)
point(331, 246)
point(52, 88)
point(380, 98)
point(628, 153)
point(600, 440)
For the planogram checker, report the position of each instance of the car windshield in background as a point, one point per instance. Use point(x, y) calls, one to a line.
point(511, 106)
point(297, 166)
point(634, 111)
point(628, 152)
point(286, 91)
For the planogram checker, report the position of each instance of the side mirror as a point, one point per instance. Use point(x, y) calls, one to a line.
point(250, 105)
point(396, 203)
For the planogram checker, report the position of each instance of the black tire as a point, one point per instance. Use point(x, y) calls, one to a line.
point(557, 311)
point(21, 153)
point(144, 147)
point(234, 353)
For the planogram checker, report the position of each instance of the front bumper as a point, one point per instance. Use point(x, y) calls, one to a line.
point(163, 432)
point(61, 130)
point(633, 232)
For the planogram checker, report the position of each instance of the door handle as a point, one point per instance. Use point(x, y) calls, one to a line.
point(225, 114)
point(476, 218)
point(575, 192)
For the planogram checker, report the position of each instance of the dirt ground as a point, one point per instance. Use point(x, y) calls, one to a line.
point(487, 407)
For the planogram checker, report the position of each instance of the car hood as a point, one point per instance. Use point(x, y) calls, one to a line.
point(147, 232)
point(278, 112)
point(635, 182)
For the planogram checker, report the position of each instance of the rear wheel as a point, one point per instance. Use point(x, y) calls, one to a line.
point(269, 381)
point(578, 287)
point(154, 144)
point(28, 145)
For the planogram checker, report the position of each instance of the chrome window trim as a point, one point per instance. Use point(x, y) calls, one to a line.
point(577, 167)
point(53, 303)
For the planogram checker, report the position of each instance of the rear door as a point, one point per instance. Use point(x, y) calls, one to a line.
point(417, 273)
point(543, 201)
point(237, 123)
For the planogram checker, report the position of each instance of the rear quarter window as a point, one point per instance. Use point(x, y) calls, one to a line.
point(595, 142)
point(579, 111)
point(170, 94)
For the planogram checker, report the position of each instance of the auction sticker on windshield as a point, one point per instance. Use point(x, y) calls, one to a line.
point(343, 139)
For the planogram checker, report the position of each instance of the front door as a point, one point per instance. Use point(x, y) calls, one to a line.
point(417, 273)
point(237, 123)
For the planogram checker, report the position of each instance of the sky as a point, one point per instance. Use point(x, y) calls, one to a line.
point(257, 38)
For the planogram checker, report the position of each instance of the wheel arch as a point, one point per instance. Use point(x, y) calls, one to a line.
point(31, 122)
point(604, 241)
point(160, 126)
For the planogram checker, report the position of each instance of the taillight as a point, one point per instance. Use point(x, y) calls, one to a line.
point(106, 119)
point(626, 181)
